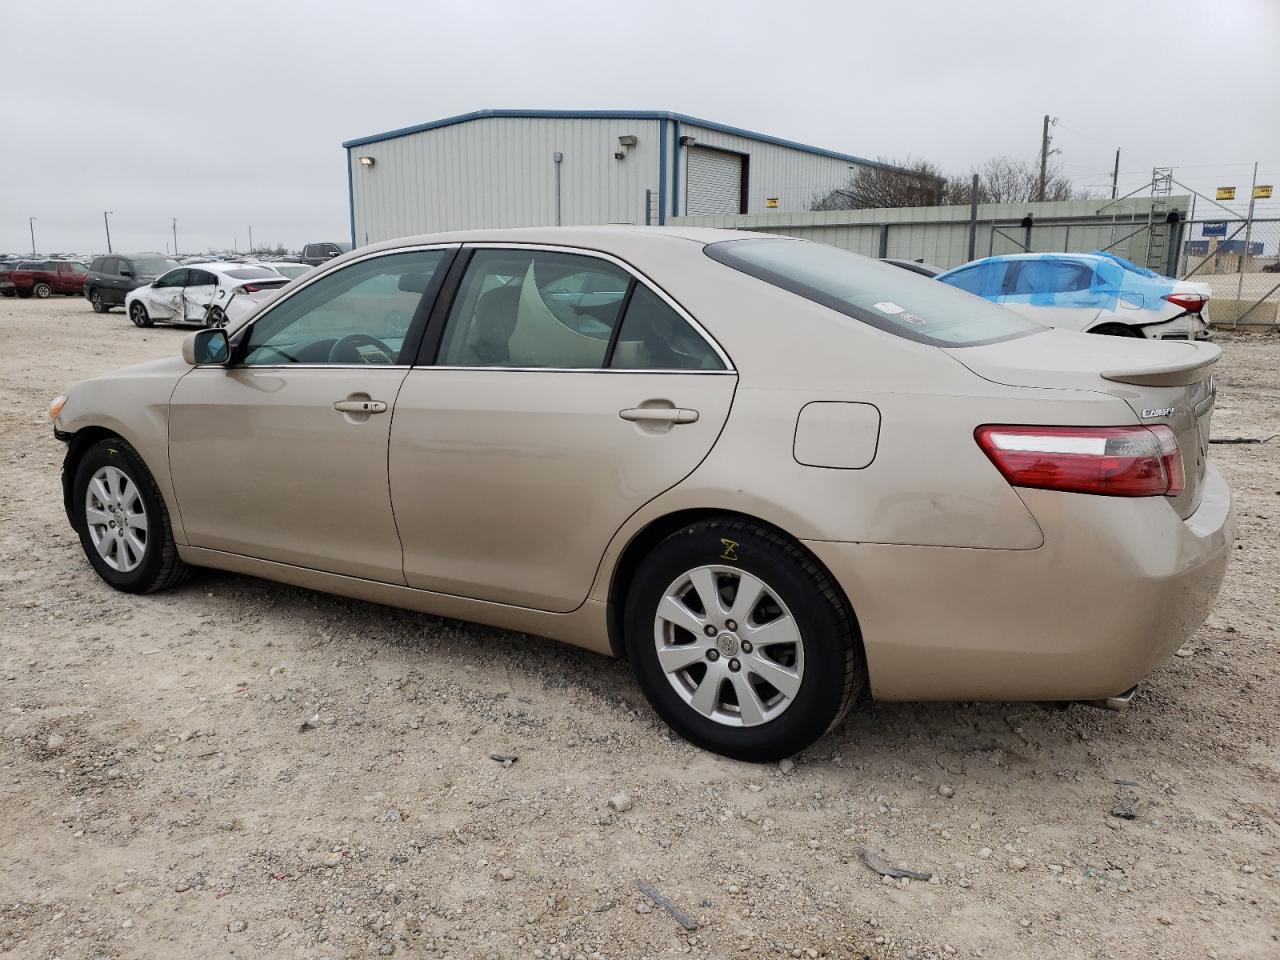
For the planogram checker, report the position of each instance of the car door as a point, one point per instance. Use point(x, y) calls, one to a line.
point(164, 297)
point(566, 394)
point(1055, 291)
point(197, 294)
point(282, 454)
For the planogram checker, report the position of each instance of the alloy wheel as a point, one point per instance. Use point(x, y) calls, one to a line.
point(729, 646)
point(116, 519)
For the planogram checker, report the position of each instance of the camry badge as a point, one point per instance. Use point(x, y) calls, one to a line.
point(1157, 412)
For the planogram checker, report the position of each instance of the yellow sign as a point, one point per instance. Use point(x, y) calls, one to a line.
point(772, 202)
point(1226, 193)
point(1262, 191)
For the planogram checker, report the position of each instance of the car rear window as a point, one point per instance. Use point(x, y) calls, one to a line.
point(153, 266)
point(252, 273)
point(882, 296)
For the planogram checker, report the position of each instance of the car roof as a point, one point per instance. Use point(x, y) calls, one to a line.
point(1082, 257)
point(607, 238)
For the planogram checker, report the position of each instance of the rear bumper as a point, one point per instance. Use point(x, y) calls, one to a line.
point(1185, 326)
point(1117, 587)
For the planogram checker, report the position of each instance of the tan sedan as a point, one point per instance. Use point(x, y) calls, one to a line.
point(768, 472)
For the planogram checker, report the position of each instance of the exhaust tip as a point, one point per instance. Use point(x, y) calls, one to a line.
point(1117, 703)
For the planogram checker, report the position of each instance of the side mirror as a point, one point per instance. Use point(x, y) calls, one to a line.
point(126, 272)
point(205, 347)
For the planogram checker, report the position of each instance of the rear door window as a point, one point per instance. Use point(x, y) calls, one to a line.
point(878, 294)
point(534, 308)
point(655, 337)
point(1034, 277)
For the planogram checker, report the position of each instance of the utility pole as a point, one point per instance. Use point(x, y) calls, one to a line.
point(175, 235)
point(31, 225)
point(1115, 174)
point(1045, 152)
point(251, 238)
point(107, 223)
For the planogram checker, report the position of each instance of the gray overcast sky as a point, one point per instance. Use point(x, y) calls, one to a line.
point(230, 114)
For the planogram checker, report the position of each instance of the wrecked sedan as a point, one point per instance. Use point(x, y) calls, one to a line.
point(210, 294)
point(771, 474)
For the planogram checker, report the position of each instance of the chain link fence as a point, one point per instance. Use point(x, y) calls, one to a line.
point(1240, 260)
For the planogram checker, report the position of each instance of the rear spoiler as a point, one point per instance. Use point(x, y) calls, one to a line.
point(1171, 373)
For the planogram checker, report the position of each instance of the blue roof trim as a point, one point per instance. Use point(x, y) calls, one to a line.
point(615, 115)
point(662, 172)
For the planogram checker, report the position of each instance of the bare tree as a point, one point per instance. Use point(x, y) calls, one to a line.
point(905, 183)
point(919, 183)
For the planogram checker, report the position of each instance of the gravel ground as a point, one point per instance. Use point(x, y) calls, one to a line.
point(164, 795)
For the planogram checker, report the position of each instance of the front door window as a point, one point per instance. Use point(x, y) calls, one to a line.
point(360, 314)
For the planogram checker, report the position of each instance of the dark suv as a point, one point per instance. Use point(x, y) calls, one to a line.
point(318, 253)
point(111, 277)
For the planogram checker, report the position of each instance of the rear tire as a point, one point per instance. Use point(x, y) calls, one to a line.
point(138, 314)
point(95, 300)
point(1117, 330)
point(215, 317)
point(800, 632)
point(42, 291)
point(128, 538)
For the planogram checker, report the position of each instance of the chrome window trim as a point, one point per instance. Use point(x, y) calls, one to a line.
point(627, 268)
point(320, 274)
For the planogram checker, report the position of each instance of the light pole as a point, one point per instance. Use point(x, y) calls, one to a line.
point(175, 236)
point(107, 223)
point(251, 238)
point(31, 225)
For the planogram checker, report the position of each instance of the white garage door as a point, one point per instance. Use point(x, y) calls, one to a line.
point(715, 182)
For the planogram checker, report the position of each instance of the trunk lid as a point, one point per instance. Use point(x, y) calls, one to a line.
point(1169, 382)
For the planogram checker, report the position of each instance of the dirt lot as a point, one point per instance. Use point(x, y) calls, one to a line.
point(159, 799)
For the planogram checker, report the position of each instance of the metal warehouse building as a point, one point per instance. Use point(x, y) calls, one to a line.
point(507, 168)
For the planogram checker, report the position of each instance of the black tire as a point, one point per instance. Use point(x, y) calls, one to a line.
point(215, 317)
point(834, 669)
point(161, 567)
point(138, 314)
point(1117, 330)
point(42, 291)
point(96, 301)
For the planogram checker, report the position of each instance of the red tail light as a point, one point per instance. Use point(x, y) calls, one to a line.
point(253, 288)
point(1110, 461)
point(1193, 302)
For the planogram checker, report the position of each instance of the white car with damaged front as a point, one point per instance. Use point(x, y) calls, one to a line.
point(208, 294)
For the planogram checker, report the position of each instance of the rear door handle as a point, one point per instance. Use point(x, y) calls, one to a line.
point(360, 406)
point(659, 415)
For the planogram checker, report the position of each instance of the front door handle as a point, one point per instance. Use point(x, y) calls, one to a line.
point(659, 415)
point(360, 406)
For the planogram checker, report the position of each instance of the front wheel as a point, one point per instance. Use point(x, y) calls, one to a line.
point(138, 314)
point(741, 641)
point(122, 520)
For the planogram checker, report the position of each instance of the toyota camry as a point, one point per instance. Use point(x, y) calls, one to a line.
point(771, 474)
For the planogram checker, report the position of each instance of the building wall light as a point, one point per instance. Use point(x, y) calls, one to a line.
point(367, 161)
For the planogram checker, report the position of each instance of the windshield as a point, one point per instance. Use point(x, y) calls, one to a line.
point(886, 297)
point(153, 266)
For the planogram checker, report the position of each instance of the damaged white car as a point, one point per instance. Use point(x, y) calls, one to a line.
point(209, 294)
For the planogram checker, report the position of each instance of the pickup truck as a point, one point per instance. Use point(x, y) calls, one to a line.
point(44, 278)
